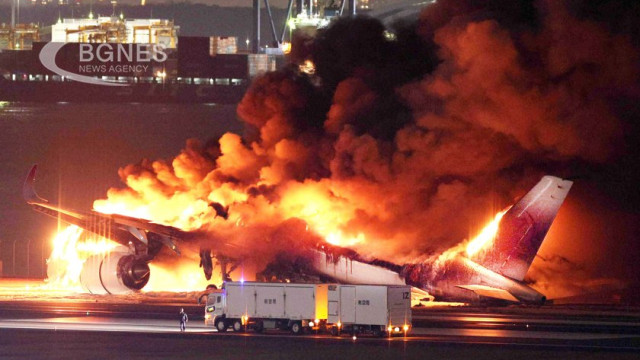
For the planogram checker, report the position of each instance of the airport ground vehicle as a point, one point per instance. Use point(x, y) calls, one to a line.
point(376, 309)
point(284, 306)
point(353, 309)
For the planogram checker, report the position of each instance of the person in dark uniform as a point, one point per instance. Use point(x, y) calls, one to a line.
point(183, 320)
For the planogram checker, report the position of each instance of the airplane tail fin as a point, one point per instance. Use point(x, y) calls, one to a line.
point(523, 228)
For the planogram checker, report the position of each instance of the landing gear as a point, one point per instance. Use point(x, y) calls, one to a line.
point(224, 262)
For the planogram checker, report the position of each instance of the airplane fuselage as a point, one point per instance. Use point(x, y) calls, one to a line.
point(464, 280)
point(459, 279)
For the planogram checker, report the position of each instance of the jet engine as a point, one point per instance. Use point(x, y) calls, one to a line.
point(118, 272)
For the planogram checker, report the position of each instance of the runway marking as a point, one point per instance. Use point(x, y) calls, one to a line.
point(94, 323)
point(100, 324)
point(517, 334)
point(458, 336)
point(507, 320)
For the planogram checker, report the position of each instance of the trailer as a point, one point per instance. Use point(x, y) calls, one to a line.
point(375, 309)
point(259, 306)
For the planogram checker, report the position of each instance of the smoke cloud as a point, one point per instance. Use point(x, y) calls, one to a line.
point(402, 147)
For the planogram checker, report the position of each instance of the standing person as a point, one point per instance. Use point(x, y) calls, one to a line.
point(183, 320)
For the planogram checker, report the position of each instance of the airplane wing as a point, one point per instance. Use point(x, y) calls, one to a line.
point(490, 292)
point(125, 270)
point(146, 237)
point(418, 296)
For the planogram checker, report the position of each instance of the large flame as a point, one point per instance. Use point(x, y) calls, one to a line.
point(324, 216)
point(184, 276)
point(70, 251)
point(72, 247)
point(471, 247)
point(486, 236)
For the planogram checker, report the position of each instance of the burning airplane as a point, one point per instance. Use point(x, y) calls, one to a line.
point(493, 266)
point(394, 149)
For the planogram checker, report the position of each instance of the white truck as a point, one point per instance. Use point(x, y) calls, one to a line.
point(376, 309)
point(285, 306)
point(353, 309)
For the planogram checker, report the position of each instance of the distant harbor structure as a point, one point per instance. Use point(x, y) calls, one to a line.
point(114, 59)
point(113, 29)
point(18, 37)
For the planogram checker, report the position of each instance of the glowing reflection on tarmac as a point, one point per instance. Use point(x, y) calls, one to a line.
point(90, 323)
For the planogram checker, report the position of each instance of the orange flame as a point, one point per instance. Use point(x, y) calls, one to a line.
point(308, 67)
point(185, 276)
point(471, 247)
point(486, 236)
point(69, 253)
point(324, 212)
point(338, 239)
point(71, 250)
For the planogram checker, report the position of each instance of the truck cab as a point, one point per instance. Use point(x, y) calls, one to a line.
point(216, 301)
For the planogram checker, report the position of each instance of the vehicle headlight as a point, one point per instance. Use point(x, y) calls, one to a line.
point(312, 324)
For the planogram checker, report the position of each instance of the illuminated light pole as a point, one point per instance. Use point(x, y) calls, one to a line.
point(256, 26)
point(13, 262)
point(13, 14)
point(42, 262)
point(162, 75)
point(28, 249)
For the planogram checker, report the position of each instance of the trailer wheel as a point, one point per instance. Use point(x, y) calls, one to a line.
point(377, 331)
point(258, 327)
point(296, 328)
point(221, 325)
point(334, 331)
point(237, 326)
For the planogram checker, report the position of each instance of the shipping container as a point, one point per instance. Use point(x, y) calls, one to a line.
point(377, 309)
point(222, 45)
point(259, 306)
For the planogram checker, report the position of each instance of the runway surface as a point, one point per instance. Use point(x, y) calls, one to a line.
point(146, 326)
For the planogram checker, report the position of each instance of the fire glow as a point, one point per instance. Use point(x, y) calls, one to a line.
point(471, 247)
point(486, 236)
point(70, 251)
point(394, 164)
point(72, 247)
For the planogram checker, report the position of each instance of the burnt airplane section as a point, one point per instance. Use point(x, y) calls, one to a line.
point(495, 272)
